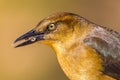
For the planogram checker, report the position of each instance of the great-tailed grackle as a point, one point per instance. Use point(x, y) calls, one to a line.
point(85, 50)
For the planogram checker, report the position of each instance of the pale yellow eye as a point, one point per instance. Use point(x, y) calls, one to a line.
point(51, 27)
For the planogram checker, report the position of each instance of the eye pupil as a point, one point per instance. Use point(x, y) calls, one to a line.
point(51, 27)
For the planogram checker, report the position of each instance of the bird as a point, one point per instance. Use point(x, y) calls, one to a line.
point(85, 50)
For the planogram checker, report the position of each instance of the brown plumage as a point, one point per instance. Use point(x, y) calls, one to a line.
point(85, 51)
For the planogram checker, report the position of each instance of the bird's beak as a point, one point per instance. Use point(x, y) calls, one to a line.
point(30, 37)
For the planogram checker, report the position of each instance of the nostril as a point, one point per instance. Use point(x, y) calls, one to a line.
point(26, 38)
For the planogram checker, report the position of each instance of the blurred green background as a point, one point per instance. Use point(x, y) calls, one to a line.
point(39, 62)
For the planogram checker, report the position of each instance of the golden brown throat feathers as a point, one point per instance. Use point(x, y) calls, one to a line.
point(79, 61)
point(85, 51)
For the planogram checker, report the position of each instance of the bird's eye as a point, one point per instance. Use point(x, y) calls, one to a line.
point(51, 27)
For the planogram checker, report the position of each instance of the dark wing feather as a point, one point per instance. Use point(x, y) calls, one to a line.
point(107, 44)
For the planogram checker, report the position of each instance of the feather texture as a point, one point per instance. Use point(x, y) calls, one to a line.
point(107, 43)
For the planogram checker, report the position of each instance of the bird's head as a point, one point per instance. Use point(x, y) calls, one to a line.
point(57, 28)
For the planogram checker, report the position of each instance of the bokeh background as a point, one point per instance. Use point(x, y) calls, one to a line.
point(39, 62)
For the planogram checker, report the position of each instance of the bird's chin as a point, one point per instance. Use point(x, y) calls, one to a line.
point(45, 42)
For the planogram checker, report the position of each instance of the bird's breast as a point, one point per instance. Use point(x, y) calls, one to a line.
point(81, 63)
